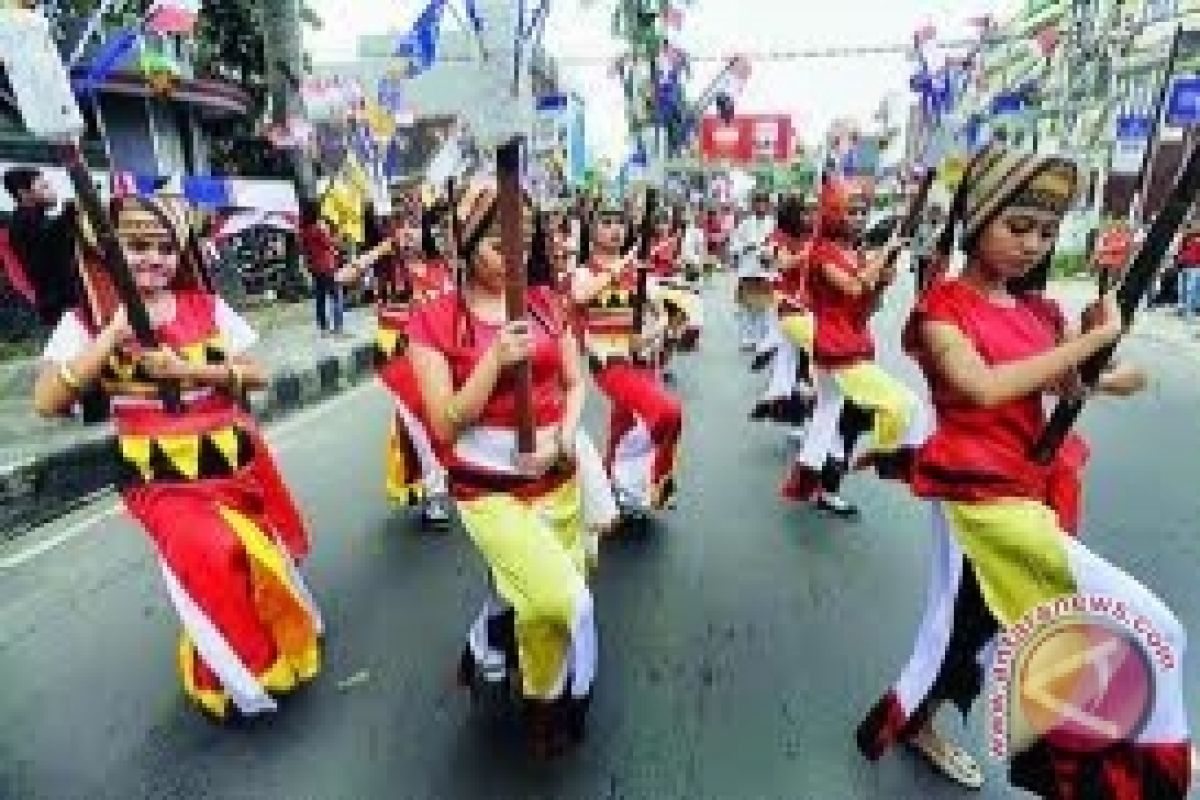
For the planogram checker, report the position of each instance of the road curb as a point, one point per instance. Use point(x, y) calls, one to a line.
point(51, 484)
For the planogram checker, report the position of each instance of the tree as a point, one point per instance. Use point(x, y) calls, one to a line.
point(233, 40)
point(230, 43)
point(281, 26)
point(231, 46)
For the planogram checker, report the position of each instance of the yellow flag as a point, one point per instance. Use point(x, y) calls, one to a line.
point(343, 207)
point(357, 179)
point(951, 172)
point(380, 121)
point(335, 207)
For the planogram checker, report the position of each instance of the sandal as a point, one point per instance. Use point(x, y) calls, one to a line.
point(835, 505)
point(762, 360)
point(951, 761)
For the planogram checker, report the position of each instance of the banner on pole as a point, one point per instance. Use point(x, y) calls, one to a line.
point(1129, 145)
point(1183, 103)
point(747, 139)
point(1155, 11)
point(558, 135)
point(37, 76)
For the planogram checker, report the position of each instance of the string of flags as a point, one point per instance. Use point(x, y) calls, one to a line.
point(164, 17)
point(211, 192)
point(951, 133)
point(947, 137)
point(419, 45)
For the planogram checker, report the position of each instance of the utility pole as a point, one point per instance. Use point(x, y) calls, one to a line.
point(285, 68)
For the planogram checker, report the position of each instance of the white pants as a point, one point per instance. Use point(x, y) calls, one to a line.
point(599, 506)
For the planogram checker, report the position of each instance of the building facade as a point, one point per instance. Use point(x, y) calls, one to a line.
point(1070, 76)
point(134, 125)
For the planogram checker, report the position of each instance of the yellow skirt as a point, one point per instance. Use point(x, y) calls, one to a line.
point(800, 329)
point(535, 551)
point(896, 408)
point(402, 467)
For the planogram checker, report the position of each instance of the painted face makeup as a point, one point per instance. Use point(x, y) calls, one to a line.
point(154, 261)
point(610, 230)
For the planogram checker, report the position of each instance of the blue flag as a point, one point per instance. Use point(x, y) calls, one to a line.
point(639, 157)
point(363, 144)
point(207, 191)
point(473, 16)
point(148, 185)
point(669, 99)
point(109, 56)
point(419, 45)
point(392, 159)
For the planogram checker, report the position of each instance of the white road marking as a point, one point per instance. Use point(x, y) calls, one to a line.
point(65, 535)
point(284, 429)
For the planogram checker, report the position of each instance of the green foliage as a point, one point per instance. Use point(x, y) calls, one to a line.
point(129, 13)
point(311, 18)
point(231, 46)
point(1068, 265)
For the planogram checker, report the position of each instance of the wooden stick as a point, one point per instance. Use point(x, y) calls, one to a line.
point(512, 237)
point(115, 262)
point(643, 268)
point(912, 216)
point(455, 235)
point(912, 220)
point(1139, 279)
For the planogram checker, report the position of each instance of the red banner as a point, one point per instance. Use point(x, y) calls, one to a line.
point(747, 139)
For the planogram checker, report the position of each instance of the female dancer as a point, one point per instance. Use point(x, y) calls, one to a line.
point(414, 274)
point(199, 478)
point(854, 395)
point(521, 510)
point(671, 286)
point(991, 353)
point(646, 421)
point(789, 393)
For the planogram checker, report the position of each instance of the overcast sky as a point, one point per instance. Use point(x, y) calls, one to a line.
point(813, 91)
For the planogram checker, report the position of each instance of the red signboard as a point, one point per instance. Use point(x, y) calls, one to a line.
point(747, 139)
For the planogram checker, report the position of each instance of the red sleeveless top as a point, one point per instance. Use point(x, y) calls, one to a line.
point(792, 284)
point(980, 453)
point(448, 326)
point(196, 337)
point(425, 280)
point(843, 335)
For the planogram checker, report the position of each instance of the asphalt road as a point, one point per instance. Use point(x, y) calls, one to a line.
point(741, 641)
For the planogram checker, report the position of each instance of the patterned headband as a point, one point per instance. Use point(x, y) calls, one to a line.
point(999, 178)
